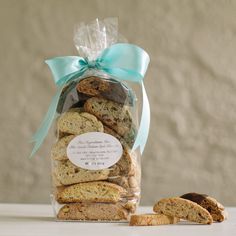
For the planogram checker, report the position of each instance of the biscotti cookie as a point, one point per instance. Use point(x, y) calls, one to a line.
point(58, 151)
point(152, 220)
point(109, 89)
point(93, 211)
point(131, 205)
point(216, 209)
point(99, 191)
point(110, 113)
point(125, 166)
point(55, 181)
point(127, 140)
point(183, 209)
point(67, 173)
point(74, 122)
point(120, 180)
point(130, 183)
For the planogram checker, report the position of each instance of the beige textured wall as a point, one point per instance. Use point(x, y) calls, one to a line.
point(191, 84)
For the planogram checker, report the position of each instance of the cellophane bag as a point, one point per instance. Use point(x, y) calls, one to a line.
point(95, 173)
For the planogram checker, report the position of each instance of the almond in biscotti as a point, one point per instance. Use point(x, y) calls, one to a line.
point(216, 209)
point(112, 114)
point(183, 209)
point(99, 191)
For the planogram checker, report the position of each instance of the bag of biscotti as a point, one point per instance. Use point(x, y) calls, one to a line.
point(101, 118)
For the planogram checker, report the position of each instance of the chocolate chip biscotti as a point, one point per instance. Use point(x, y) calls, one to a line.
point(183, 209)
point(98, 191)
point(112, 114)
point(216, 209)
point(106, 88)
point(93, 211)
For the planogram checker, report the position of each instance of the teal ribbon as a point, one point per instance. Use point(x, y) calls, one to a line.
point(125, 62)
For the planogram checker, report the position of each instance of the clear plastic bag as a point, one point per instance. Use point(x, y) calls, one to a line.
point(95, 173)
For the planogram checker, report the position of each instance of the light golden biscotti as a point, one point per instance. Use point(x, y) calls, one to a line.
point(152, 220)
point(215, 208)
point(112, 114)
point(93, 211)
point(58, 151)
point(98, 191)
point(183, 209)
point(75, 122)
point(67, 173)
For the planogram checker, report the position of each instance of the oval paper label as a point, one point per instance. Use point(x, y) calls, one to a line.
point(94, 150)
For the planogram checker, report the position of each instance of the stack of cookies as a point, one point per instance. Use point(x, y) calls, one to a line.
point(95, 105)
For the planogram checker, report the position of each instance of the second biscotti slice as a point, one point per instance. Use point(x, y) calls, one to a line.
point(183, 209)
point(99, 191)
point(152, 220)
point(215, 208)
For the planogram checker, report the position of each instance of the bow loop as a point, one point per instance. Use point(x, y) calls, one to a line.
point(122, 61)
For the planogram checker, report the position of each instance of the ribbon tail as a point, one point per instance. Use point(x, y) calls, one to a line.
point(143, 131)
point(42, 131)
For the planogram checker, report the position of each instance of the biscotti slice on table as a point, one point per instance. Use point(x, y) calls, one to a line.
point(98, 191)
point(75, 122)
point(152, 220)
point(93, 211)
point(183, 209)
point(216, 209)
point(67, 173)
point(106, 88)
point(112, 114)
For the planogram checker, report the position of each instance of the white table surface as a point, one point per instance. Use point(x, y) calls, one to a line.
point(22, 219)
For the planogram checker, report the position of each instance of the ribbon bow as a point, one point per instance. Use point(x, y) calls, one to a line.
point(125, 62)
